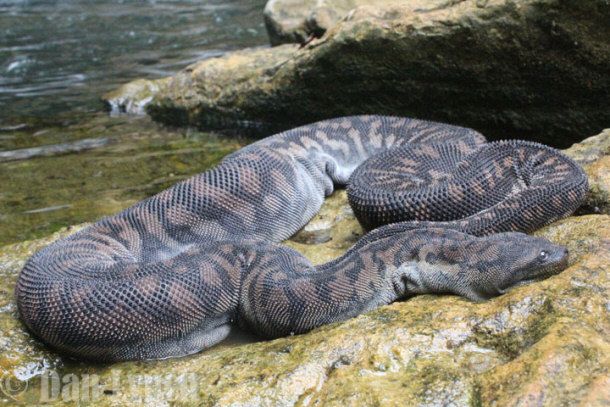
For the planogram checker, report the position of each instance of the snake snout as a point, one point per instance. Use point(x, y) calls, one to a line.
point(535, 259)
point(556, 261)
point(564, 256)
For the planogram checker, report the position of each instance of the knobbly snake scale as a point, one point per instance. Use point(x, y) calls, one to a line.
point(170, 275)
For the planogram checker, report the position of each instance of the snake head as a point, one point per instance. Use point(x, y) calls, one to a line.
point(519, 259)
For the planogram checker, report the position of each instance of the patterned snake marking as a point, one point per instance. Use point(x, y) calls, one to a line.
point(170, 275)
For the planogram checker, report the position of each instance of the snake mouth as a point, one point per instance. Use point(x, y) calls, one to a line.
point(532, 280)
point(527, 281)
point(524, 282)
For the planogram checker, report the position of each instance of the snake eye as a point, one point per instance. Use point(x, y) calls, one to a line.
point(543, 255)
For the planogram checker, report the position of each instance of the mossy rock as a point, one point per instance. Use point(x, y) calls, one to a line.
point(545, 343)
point(528, 69)
point(594, 155)
point(295, 21)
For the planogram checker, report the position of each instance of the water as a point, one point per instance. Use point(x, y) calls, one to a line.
point(41, 195)
point(59, 57)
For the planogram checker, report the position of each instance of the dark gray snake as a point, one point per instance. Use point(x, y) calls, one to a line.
point(170, 275)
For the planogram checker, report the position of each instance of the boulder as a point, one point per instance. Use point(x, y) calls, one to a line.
point(529, 69)
point(541, 344)
point(133, 97)
point(593, 154)
point(293, 21)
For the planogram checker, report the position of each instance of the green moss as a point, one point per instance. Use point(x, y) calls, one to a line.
point(41, 195)
point(546, 338)
point(475, 396)
point(513, 341)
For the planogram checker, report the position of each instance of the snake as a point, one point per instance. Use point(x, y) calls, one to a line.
point(445, 212)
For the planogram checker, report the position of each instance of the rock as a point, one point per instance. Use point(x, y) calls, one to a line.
point(335, 224)
point(530, 69)
point(132, 97)
point(286, 20)
point(594, 155)
point(290, 21)
point(541, 344)
point(219, 96)
point(53, 149)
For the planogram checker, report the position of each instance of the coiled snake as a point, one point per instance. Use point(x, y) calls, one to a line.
point(170, 275)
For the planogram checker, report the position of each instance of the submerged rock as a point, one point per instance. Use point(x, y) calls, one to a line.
point(81, 169)
point(534, 69)
point(541, 344)
point(54, 149)
point(132, 97)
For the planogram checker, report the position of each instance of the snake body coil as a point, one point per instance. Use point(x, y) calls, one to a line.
point(170, 275)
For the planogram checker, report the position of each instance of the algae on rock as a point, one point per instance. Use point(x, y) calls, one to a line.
point(545, 343)
point(134, 158)
point(528, 69)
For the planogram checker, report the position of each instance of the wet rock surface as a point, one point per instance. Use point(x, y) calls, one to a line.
point(541, 344)
point(52, 150)
point(132, 97)
point(55, 175)
point(529, 69)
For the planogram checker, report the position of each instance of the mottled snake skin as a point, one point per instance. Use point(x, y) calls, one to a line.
point(170, 275)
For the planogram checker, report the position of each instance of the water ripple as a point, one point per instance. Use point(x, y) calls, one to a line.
point(62, 55)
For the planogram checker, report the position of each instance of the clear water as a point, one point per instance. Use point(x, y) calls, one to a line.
point(60, 56)
point(57, 58)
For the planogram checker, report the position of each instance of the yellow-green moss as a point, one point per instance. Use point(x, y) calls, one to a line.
point(545, 343)
point(141, 160)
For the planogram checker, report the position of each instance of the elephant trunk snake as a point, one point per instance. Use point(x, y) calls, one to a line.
point(172, 274)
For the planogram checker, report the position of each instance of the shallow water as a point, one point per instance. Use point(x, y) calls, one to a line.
point(60, 56)
point(138, 159)
point(56, 59)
